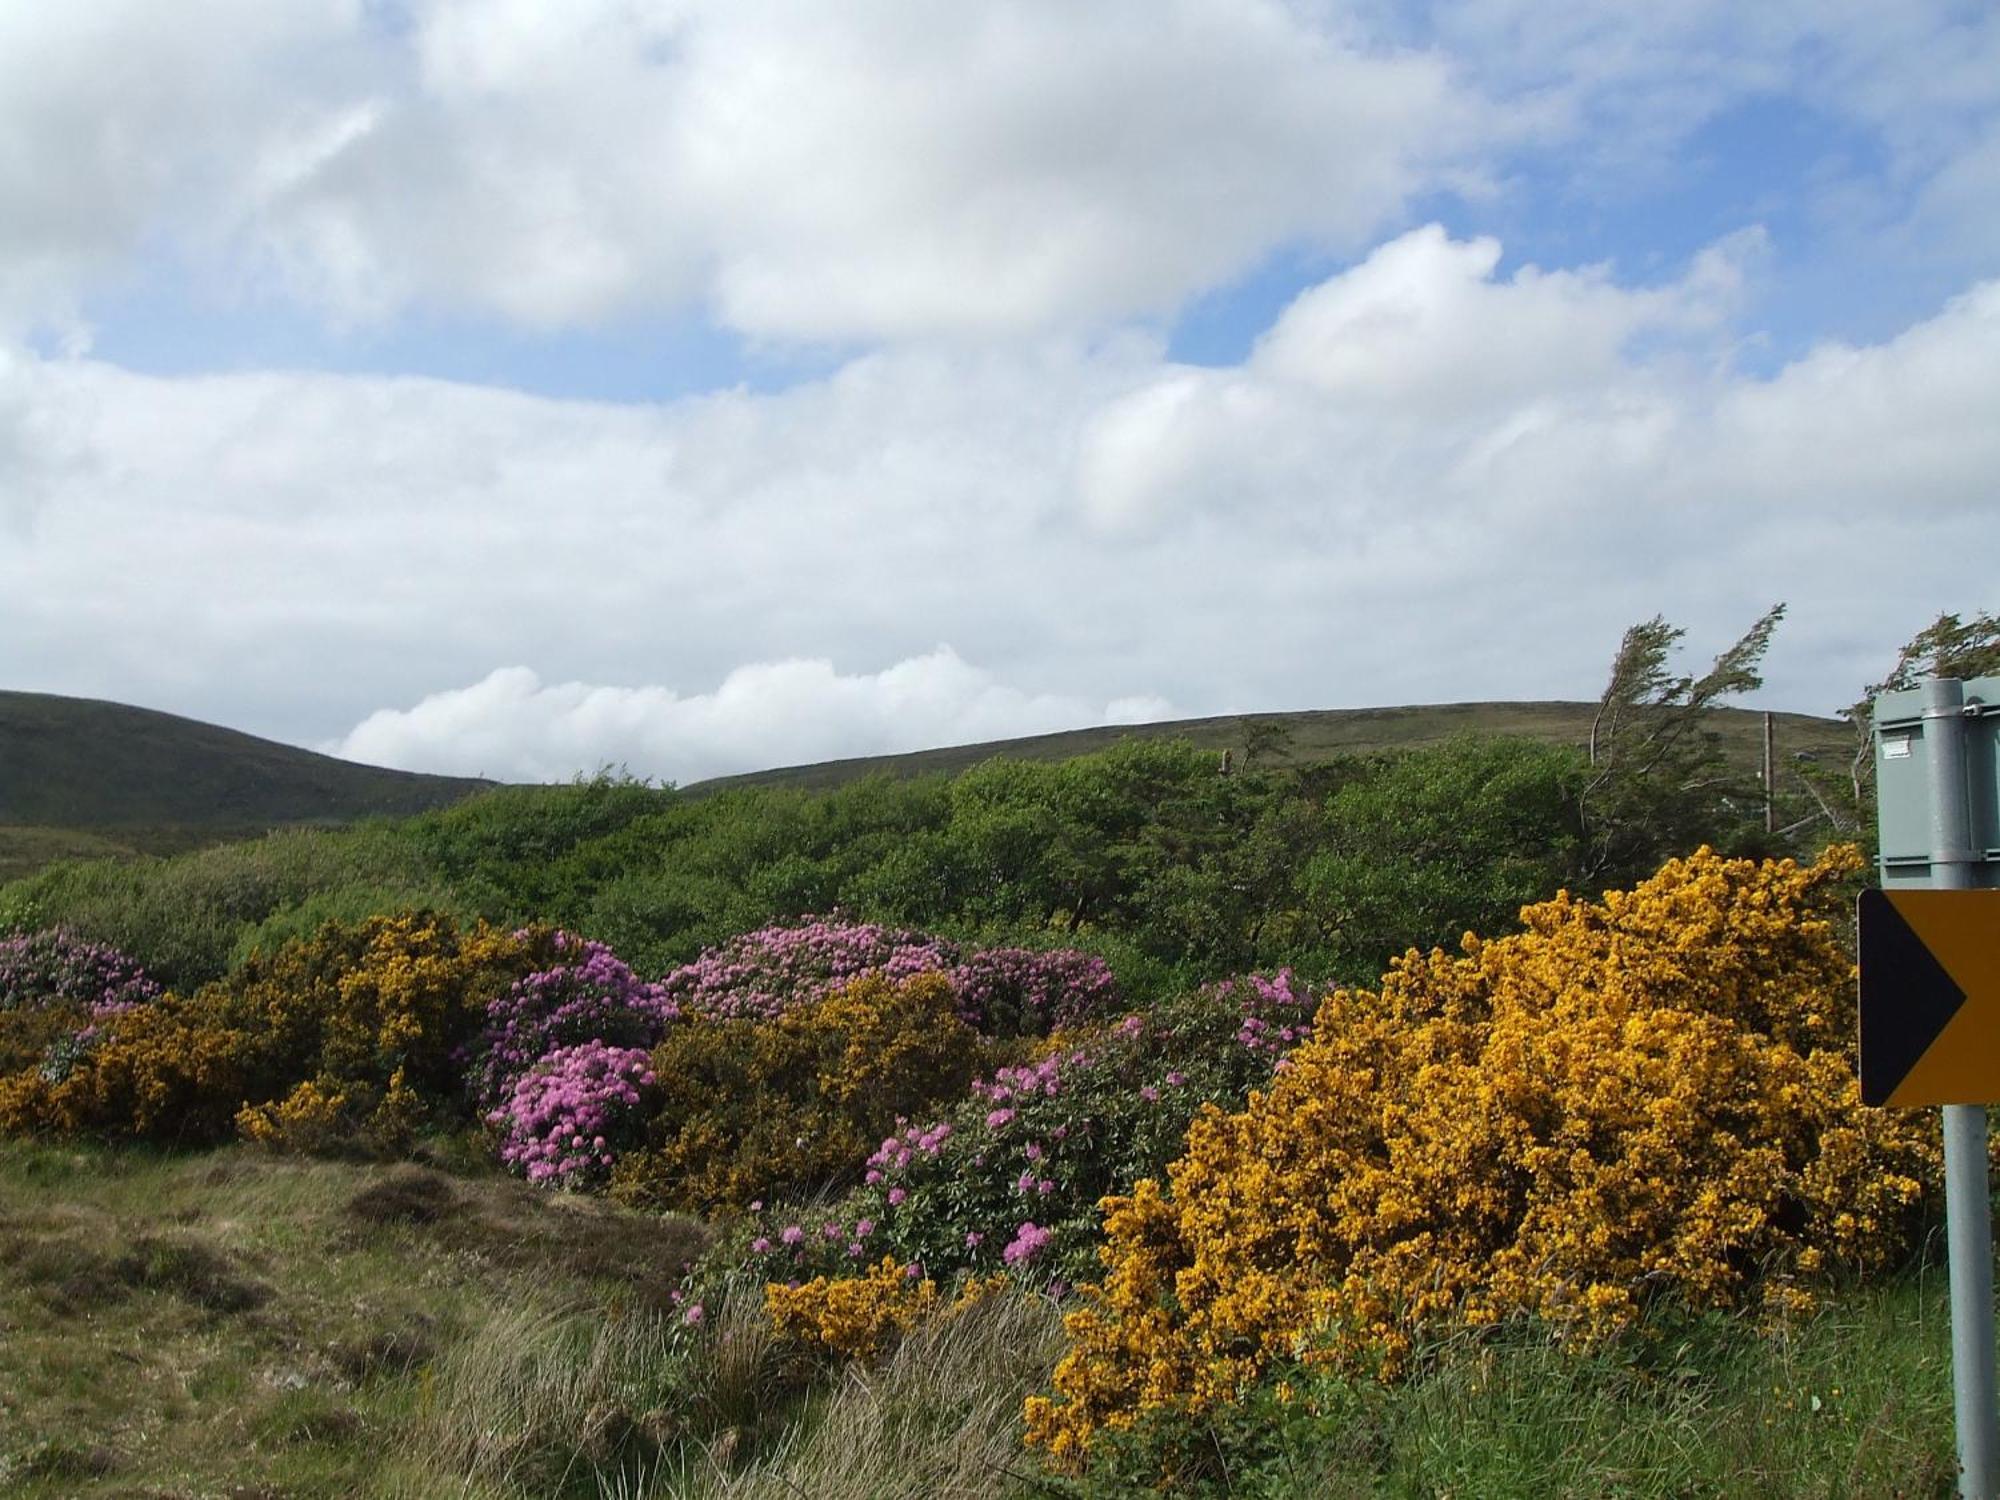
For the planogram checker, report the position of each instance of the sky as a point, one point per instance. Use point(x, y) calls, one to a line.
point(694, 386)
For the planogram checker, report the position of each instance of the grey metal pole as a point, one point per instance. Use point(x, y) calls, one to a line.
point(1967, 1189)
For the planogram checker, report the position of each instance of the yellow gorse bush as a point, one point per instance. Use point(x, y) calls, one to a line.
point(852, 1316)
point(858, 1317)
point(752, 1109)
point(1652, 1095)
point(350, 1033)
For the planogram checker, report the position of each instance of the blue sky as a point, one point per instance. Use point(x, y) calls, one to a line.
point(478, 385)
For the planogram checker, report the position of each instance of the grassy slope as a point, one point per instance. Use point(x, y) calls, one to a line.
point(233, 1324)
point(158, 782)
point(1316, 735)
point(199, 1323)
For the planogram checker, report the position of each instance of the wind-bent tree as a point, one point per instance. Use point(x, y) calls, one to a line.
point(1658, 782)
point(1950, 646)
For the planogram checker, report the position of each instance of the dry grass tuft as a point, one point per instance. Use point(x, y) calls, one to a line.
point(938, 1420)
point(405, 1195)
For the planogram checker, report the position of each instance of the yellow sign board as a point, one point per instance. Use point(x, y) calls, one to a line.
point(1930, 997)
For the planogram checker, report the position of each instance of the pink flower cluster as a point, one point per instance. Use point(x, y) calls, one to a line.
point(762, 974)
point(896, 1151)
point(1043, 1079)
point(55, 967)
point(1001, 990)
point(1028, 1242)
point(795, 1246)
point(566, 1119)
point(1022, 990)
point(592, 996)
point(1277, 1010)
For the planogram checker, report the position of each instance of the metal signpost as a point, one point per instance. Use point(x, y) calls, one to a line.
point(1930, 994)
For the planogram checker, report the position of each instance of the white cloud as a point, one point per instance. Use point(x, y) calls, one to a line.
point(120, 124)
point(876, 169)
point(1549, 458)
point(880, 169)
point(514, 726)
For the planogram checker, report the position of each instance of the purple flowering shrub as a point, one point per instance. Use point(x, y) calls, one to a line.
point(55, 990)
point(53, 967)
point(1025, 992)
point(761, 975)
point(590, 995)
point(1010, 1178)
point(999, 991)
point(565, 1120)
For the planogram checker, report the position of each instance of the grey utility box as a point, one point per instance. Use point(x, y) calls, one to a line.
point(1902, 784)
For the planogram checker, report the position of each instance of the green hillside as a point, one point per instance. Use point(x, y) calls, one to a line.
point(81, 778)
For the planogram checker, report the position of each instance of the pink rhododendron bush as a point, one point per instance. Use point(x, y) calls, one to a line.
point(567, 1118)
point(1009, 1177)
point(55, 991)
point(997, 991)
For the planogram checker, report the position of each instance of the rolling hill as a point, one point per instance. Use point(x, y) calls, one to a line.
point(1291, 738)
point(82, 778)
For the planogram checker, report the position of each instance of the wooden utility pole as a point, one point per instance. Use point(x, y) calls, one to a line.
point(1770, 779)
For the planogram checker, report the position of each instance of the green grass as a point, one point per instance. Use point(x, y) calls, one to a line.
point(182, 1325)
point(1853, 1403)
point(236, 1324)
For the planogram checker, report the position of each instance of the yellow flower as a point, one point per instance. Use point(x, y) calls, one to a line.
point(1652, 1094)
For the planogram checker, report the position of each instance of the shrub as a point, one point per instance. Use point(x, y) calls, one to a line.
point(589, 996)
point(1022, 1160)
point(999, 991)
point(310, 1120)
point(569, 1115)
point(1025, 992)
point(752, 1109)
point(55, 989)
point(183, 917)
point(852, 1316)
point(54, 966)
point(762, 974)
point(377, 1013)
point(1653, 1096)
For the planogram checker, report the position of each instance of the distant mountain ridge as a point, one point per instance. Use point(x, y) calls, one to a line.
point(81, 763)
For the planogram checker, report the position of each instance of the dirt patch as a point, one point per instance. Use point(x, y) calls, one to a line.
point(58, 1458)
point(577, 1236)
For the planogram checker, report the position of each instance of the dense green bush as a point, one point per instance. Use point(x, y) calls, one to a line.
point(183, 918)
point(1143, 853)
point(1426, 847)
